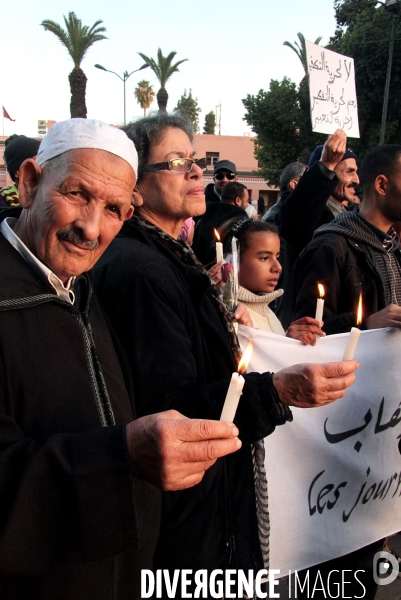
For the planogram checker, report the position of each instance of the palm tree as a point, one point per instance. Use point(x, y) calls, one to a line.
point(77, 39)
point(144, 94)
point(163, 69)
point(300, 49)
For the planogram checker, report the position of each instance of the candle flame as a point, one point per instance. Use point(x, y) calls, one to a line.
point(359, 313)
point(246, 357)
point(216, 233)
point(321, 290)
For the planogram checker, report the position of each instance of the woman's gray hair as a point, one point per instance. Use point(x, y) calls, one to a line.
point(148, 131)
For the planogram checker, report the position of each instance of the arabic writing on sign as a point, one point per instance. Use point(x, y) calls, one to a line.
point(324, 496)
point(332, 91)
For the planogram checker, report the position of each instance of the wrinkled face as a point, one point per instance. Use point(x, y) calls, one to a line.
point(220, 183)
point(346, 172)
point(260, 269)
point(169, 198)
point(79, 204)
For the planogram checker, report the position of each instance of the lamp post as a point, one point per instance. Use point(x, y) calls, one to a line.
point(123, 78)
point(394, 7)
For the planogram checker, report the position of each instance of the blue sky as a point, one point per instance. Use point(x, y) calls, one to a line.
point(234, 49)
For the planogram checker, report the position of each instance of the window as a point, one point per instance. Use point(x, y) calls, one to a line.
point(212, 158)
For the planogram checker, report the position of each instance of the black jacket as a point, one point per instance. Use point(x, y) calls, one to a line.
point(74, 523)
point(181, 358)
point(297, 215)
point(204, 244)
point(210, 194)
point(341, 256)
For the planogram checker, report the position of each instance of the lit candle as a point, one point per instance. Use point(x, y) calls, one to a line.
point(219, 247)
point(354, 334)
point(320, 303)
point(235, 388)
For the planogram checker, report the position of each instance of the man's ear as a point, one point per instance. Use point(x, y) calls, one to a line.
point(238, 201)
point(137, 198)
point(29, 176)
point(293, 184)
point(381, 185)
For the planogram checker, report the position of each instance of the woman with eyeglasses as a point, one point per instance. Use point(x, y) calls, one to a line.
point(183, 349)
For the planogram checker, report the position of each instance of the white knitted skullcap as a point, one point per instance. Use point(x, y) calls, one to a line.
point(87, 133)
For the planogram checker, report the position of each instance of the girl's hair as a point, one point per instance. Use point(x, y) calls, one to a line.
point(243, 229)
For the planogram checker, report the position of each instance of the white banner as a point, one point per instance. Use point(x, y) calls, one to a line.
point(332, 91)
point(334, 473)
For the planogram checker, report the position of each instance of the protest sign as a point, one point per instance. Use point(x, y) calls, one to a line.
point(334, 473)
point(332, 91)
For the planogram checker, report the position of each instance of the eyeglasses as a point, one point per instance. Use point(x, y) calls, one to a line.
point(177, 165)
point(230, 176)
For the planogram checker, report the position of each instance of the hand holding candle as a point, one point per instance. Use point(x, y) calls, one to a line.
point(219, 247)
point(354, 334)
point(235, 388)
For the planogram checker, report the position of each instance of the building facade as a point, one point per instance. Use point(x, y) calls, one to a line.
point(240, 150)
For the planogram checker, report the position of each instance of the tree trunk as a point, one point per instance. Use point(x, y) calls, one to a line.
point(162, 98)
point(77, 79)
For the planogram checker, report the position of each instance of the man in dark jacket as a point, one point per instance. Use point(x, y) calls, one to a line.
point(79, 510)
point(224, 171)
point(358, 253)
point(302, 208)
point(234, 201)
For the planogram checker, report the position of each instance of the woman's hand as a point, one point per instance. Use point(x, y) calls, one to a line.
point(215, 272)
point(305, 330)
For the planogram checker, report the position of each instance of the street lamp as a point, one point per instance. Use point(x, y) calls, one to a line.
point(123, 78)
point(394, 7)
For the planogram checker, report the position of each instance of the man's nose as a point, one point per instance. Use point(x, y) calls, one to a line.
point(89, 222)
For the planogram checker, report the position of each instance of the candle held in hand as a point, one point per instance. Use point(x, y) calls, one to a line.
point(354, 334)
point(320, 303)
point(219, 247)
point(235, 388)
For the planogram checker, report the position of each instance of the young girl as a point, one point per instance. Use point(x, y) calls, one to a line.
point(259, 275)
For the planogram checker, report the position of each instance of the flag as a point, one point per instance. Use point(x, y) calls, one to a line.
point(6, 115)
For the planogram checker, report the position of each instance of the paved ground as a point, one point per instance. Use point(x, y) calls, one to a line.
point(393, 590)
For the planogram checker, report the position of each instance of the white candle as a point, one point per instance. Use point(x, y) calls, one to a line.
point(352, 343)
point(319, 309)
point(232, 399)
point(219, 251)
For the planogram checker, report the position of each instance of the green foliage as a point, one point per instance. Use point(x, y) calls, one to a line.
point(210, 123)
point(163, 69)
point(277, 118)
point(77, 38)
point(300, 49)
point(187, 105)
point(144, 94)
point(363, 33)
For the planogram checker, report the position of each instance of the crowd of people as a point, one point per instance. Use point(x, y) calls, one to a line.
point(117, 348)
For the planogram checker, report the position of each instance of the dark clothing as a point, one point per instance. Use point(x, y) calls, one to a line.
point(166, 318)
point(297, 215)
point(210, 194)
point(204, 244)
point(347, 257)
point(74, 523)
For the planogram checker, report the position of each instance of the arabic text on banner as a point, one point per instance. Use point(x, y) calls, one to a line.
point(334, 473)
point(332, 91)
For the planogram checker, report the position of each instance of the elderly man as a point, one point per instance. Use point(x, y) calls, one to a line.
point(79, 516)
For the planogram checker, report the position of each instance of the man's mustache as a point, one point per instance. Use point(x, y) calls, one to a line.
point(75, 236)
